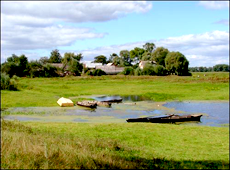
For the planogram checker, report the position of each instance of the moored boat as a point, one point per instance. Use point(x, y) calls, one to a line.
point(90, 104)
point(113, 100)
point(167, 119)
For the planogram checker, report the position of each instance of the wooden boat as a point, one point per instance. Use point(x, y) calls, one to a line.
point(167, 119)
point(113, 100)
point(90, 104)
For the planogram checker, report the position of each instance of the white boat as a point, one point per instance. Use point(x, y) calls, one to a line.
point(64, 102)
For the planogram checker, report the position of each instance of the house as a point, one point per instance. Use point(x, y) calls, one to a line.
point(110, 69)
point(90, 65)
point(143, 63)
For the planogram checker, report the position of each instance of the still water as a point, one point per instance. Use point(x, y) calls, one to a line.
point(214, 113)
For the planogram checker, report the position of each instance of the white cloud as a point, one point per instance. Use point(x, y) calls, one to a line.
point(32, 25)
point(76, 12)
point(215, 4)
point(28, 38)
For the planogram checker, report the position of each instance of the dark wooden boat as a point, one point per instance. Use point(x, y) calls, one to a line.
point(167, 119)
point(90, 104)
point(113, 100)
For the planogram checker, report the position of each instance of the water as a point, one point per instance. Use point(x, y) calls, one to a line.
point(214, 113)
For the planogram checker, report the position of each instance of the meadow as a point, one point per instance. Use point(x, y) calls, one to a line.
point(46, 91)
point(39, 145)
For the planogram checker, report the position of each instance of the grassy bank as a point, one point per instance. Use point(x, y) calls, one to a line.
point(46, 91)
point(123, 146)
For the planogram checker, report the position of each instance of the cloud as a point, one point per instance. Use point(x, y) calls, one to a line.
point(223, 22)
point(205, 49)
point(36, 25)
point(28, 38)
point(215, 4)
point(75, 12)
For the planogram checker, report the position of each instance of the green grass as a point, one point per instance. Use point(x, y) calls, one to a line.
point(109, 146)
point(46, 91)
point(37, 145)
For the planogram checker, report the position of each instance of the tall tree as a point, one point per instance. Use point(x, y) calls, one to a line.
point(159, 55)
point(176, 63)
point(149, 47)
point(55, 56)
point(136, 54)
point(112, 57)
point(100, 59)
point(73, 62)
point(125, 58)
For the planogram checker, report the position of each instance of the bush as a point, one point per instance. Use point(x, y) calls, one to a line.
point(148, 70)
point(50, 71)
point(98, 72)
point(138, 72)
point(128, 71)
point(160, 70)
point(8, 83)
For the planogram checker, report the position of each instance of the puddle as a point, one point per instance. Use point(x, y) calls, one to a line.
point(214, 113)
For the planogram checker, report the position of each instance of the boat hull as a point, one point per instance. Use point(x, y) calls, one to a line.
point(167, 119)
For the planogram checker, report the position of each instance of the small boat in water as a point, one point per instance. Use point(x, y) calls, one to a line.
point(90, 104)
point(167, 119)
point(113, 100)
point(64, 102)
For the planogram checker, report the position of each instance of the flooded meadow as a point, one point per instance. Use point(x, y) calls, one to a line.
point(214, 113)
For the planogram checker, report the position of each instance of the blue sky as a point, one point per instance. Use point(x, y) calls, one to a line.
point(198, 29)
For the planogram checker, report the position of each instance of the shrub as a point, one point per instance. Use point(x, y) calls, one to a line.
point(160, 70)
point(8, 83)
point(128, 71)
point(98, 72)
point(138, 72)
point(148, 70)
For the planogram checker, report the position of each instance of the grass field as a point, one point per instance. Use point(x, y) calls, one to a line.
point(46, 91)
point(39, 145)
point(105, 146)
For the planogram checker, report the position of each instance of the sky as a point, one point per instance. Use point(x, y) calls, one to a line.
point(197, 29)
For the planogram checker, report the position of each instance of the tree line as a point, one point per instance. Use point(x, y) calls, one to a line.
point(216, 68)
point(160, 61)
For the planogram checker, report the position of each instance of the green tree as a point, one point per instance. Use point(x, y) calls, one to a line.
point(176, 63)
point(159, 55)
point(160, 70)
point(146, 56)
point(23, 66)
point(149, 47)
point(148, 70)
point(14, 58)
point(55, 57)
point(73, 62)
point(221, 67)
point(136, 54)
point(111, 58)
point(100, 59)
point(125, 58)
point(128, 71)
